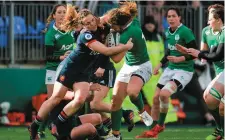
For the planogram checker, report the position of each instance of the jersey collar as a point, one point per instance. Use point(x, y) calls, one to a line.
point(58, 29)
point(175, 30)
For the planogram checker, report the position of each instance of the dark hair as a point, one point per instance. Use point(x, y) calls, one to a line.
point(177, 10)
point(50, 17)
point(121, 16)
point(218, 14)
point(215, 6)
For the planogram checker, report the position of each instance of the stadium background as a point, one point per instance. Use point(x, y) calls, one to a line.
point(22, 51)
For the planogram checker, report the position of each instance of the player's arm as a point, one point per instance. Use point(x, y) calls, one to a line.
point(164, 60)
point(213, 56)
point(191, 44)
point(118, 57)
point(51, 48)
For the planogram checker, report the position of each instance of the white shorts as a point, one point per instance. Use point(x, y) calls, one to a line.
point(221, 78)
point(144, 71)
point(184, 77)
point(50, 77)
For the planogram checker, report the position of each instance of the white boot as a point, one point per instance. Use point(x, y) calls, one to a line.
point(112, 137)
point(147, 119)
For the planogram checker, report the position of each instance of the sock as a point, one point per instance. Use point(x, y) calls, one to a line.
point(62, 118)
point(108, 123)
point(116, 119)
point(162, 117)
point(138, 102)
point(216, 116)
point(35, 125)
point(43, 126)
point(222, 124)
point(153, 125)
point(100, 129)
point(94, 136)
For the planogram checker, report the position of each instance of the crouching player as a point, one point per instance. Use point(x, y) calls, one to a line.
point(77, 127)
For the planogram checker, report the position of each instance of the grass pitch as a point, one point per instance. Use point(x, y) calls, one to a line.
point(171, 133)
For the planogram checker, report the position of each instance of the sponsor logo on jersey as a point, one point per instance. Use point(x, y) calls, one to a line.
point(177, 37)
point(102, 82)
point(88, 36)
point(67, 47)
point(171, 47)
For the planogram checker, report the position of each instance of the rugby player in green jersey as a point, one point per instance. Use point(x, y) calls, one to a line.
point(136, 70)
point(178, 73)
point(213, 38)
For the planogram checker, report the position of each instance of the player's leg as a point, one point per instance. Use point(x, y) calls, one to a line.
point(212, 97)
point(119, 94)
point(179, 80)
point(81, 90)
point(58, 94)
point(97, 104)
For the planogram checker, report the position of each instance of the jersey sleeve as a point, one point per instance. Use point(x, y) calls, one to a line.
point(221, 37)
point(203, 36)
point(188, 36)
point(87, 38)
point(49, 39)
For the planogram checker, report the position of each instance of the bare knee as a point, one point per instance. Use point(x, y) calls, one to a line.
point(133, 93)
point(96, 118)
point(156, 101)
point(90, 128)
point(55, 100)
point(163, 96)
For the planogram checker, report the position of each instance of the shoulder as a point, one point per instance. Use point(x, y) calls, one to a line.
point(185, 29)
point(206, 30)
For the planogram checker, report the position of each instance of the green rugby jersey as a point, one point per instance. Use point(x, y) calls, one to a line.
point(62, 43)
point(182, 35)
point(213, 40)
point(138, 54)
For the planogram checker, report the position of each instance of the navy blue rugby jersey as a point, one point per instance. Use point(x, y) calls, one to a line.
point(82, 57)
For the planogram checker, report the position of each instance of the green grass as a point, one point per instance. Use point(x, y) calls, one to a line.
point(170, 133)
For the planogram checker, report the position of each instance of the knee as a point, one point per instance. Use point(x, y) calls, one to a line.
point(90, 128)
point(79, 100)
point(96, 118)
point(132, 92)
point(55, 100)
point(156, 100)
point(163, 96)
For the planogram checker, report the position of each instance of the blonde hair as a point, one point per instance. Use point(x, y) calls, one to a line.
point(70, 19)
point(50, 17)
point(120, 16)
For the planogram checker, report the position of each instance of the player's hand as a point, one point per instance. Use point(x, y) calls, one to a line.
point(176, 59)
point(156, 69)
point(129, 44)
point(94, 87)
point(193, 52)
point(181, 48)
point(99, 72)
point(67, 53)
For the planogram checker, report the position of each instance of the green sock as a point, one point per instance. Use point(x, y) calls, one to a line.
point(162, 117)
point(222, 124)
point(43, 126)
point(215, 114)
point(153, 124)
point(116, 119)
point(138, 102)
